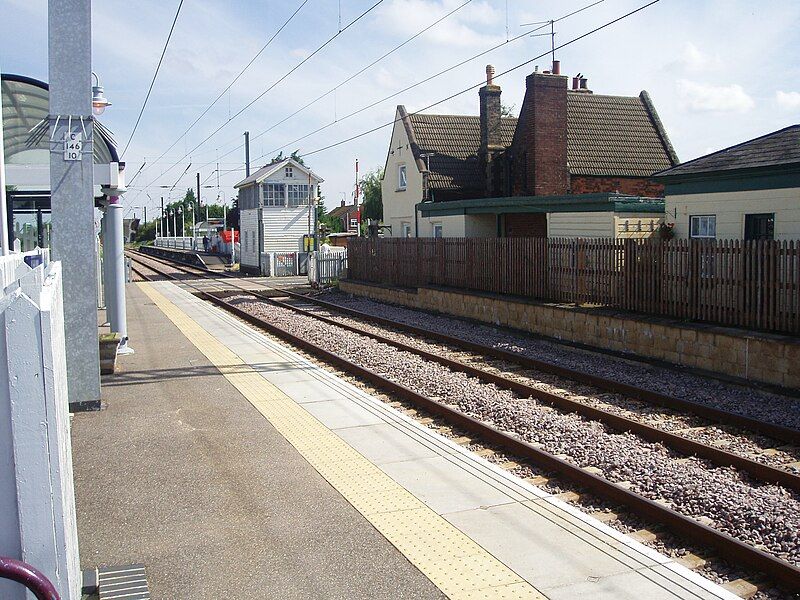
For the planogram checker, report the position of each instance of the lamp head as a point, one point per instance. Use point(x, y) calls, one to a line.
point(99, 100)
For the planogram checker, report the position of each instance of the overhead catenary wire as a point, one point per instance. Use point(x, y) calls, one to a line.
point(234, 80)
point(284, 76)
point(426, 80)
point(479, 84)
point(152, 83)
point(354, 75)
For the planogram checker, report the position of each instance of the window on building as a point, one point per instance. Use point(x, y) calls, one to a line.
point(289, 172)
point(405, 230)
point(298, 194)
point(437, 230)
point(353, 223)
point(401, 177)
point(273, 194)
point(759, 226)
point(703, 226)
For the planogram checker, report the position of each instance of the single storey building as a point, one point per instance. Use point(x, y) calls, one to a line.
point(750, 191)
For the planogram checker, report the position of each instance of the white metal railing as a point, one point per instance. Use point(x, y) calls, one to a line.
point(326, 267)
point(178, 243)
point(37, 499)
point(10, 264)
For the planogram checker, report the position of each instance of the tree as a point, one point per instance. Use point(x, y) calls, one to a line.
point(233, 214)
point(332, 224)
point(294, 156)
point(373, 201)
point(146, 232)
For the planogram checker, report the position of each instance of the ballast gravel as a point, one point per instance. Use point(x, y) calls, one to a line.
point(765, 516)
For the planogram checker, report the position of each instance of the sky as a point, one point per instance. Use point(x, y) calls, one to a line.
point(718, 71)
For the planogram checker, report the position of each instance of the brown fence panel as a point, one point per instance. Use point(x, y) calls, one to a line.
point(752, 284)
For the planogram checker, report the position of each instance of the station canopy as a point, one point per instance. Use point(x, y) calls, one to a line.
point(26, 136)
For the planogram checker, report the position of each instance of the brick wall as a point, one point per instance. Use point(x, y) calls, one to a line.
point(635, 186)
point(763, 358)
point(539, 147)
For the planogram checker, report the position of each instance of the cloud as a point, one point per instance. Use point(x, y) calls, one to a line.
point(788, 100)
point(703, 97)
point(469, 26)
point(694, 60)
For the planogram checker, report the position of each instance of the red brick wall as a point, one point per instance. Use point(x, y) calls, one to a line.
point(635, 186)
point(540, 141)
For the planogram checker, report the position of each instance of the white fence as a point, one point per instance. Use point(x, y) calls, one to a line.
point(326, 267)
point(37, 500)
point(178, 243)
point(13, 266)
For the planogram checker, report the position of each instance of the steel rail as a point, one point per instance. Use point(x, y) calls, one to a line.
point(727, 547)
point(773, 430)
point(719, 457)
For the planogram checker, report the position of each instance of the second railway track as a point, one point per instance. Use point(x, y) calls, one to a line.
point(659, 506)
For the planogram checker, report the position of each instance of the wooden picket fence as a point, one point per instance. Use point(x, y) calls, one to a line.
point(753, 284)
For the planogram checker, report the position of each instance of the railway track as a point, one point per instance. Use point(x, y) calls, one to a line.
point(726, 546)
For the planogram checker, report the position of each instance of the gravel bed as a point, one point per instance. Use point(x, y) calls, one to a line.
point(762, 515)
point(728, 438)
point(774, 408)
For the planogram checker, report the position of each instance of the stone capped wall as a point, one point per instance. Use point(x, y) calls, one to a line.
point(765, 358)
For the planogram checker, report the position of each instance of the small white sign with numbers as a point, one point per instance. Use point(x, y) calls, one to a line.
point(73, 145)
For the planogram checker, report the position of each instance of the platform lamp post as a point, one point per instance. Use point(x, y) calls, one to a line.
point(183, 221)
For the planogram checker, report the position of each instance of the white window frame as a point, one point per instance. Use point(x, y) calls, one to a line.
point(269, 193)
point(288, 172)
point(353, 223)
point(297, 194)
point(405, 229)
point(438, 227)
point(703, 227)
point(402, 177)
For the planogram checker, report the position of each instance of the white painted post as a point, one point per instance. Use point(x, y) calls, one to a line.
point(37, 500)
point(4, 249)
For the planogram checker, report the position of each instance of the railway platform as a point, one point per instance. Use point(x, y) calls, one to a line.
point(231, 466)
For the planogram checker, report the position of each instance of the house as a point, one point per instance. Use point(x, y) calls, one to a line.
point(276, 208)
point(574, 164)
point(349, 216)
point(750, 191)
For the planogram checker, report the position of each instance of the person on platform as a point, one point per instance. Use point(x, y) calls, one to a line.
point(206, 243)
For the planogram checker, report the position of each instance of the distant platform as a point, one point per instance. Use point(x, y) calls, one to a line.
point(230, 466)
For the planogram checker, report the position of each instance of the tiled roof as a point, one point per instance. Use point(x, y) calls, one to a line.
point(343, 210)
point(606, 136)
point(455, 140)
point(780, 147)
point(615, 136)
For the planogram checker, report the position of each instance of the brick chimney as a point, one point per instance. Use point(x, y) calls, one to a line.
point(540, 140)
point(491, 142)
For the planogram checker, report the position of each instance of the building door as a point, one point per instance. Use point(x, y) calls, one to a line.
point(525, 225)
point(759, 226)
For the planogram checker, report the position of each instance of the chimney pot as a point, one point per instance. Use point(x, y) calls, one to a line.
point(556, 67)
point(576, 82)
point(583, 83)
point(489, 74)
point(342, 201)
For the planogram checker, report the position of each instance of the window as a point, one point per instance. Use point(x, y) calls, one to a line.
point(353, 223)
point(437, 230)
point(406, 230)
point(759, 226)
point(401, 177)
point(273, 194)
point(703, 226)
point(298, 193)
point(288, 172)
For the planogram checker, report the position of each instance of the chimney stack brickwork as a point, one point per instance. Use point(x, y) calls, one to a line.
point(540, 142)
point(491, 140)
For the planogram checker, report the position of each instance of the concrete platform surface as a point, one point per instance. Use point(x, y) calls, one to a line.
point(181, 473)
point(224, 456)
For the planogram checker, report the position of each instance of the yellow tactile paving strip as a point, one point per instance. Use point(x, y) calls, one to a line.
point(455, 564)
